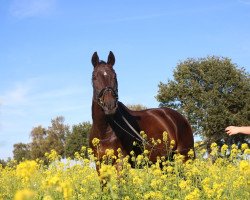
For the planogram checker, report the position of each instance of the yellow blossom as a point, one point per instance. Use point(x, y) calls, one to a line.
point(26, 169)
point(172, 144)
point(191, 153)
point(109, 152)
point(244, 146)
point(234, 146)
point(244, 165)
point(194, 195)
point(95, 142)
point(137, 181)
point(157, 195)
point(247, 151)
point(25, 194)
point(224, 149)
point(165, 136)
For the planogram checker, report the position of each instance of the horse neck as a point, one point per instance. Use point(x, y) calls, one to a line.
point(99, 118)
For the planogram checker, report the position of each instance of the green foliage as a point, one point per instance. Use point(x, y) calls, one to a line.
point(213, 93)
point(44, 140)
point(21, 151)
point(54, 137)
point(3, 163)
point(38, 145)
point(77, 138)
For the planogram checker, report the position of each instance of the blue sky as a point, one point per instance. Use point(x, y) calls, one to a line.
point(46, 48)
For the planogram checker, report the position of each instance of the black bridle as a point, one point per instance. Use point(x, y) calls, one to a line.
point(100, 93)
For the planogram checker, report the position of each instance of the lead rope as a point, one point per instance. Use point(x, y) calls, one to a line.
point(140, 138)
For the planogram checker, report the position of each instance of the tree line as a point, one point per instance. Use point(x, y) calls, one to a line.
point(58, 136)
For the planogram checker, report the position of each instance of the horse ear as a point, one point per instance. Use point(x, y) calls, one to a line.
point(111, 59)
point(95, 59)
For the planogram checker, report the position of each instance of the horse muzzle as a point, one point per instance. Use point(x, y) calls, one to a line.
point(108, 100)
point(110, 110)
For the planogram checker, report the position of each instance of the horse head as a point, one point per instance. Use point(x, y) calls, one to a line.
point(105, 83)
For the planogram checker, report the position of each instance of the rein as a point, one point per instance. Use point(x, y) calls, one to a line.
point(139, 137)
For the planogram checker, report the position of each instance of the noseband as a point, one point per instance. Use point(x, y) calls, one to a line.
point(103, 91)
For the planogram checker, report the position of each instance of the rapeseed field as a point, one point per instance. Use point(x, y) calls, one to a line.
point(222, 174)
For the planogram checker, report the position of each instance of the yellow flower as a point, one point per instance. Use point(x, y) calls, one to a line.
point(183, 185)
point(159, 141)
point(195, 195)
point(165, 136)
point(244, 146)
point(26, 169)
point(224, 149)
point(139, 159)
point(47, 197)
point(234, 152)
point(169, 169)
point(109, 152)
point(191, 153)
point(83, 149)
point(25, 194)
point(53, 181)
point(157, 195)
point(143, 134)
point(172, 143)
point(66, 190)
point(157, 172)
point(107, 171)
point(53, 155)
point(247, 152)
point(95, 142)
point(146, 152)
point(156, 184)
point(213, 145)
point(137, 181)
point(244, 165)
point(214, 148)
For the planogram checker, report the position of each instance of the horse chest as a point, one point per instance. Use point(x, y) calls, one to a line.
point(110, 143)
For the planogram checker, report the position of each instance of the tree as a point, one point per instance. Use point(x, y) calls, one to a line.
point(136, 107)
point(21, 151)
point(56, 135)
point(38, 144)
point(77, 139)
point(213, 93)
point(3, 163)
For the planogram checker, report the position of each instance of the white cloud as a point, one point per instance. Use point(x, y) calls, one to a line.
point(31, 8)
point(16, 96)
point(36, 94)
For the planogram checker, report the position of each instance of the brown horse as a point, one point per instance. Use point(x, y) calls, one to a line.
point(118, 127)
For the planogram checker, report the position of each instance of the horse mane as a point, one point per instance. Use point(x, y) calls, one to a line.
point(123, 131)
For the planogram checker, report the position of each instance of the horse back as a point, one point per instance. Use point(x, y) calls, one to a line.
point(157, 120)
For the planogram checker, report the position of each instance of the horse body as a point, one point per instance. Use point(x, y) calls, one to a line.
point(118, 127)
point(157, 120)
